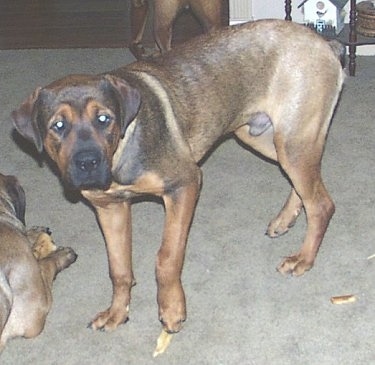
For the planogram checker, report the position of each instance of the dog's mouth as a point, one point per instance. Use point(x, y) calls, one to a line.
point(89, 169)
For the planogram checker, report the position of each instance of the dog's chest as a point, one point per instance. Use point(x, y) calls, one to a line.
point(125, 163)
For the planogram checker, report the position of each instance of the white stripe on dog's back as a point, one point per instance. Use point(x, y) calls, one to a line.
point(171, 123)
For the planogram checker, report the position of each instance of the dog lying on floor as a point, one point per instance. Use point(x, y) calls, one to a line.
point(144, 128)
point(29, 262)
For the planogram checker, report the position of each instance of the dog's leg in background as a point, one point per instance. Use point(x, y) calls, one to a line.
point(138, 18)
point(139, 11)
point(208, 13)
point(115, 221)
point(164, 16)
point(179, 211)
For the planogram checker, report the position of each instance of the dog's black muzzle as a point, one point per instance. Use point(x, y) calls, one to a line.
point(89, 169)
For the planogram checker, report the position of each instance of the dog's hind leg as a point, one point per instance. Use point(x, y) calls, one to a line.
point(262, 141)
point(319, 209)
point(299, 154)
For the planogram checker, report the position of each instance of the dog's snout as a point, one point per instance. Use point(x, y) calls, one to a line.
point(87, 161)
point(89, 168)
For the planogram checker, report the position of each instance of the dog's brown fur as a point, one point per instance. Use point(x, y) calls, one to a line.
point(165, 13)
point(143, 128)
point(29, 262)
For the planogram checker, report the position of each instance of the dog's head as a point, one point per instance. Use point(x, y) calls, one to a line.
point(79, 120)
point(12, 197)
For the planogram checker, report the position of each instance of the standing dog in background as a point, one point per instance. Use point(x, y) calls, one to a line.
point(143, 129)
point(29, 262)
point(208, 13)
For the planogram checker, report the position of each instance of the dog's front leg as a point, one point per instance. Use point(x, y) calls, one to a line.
point(179, 211)
point(115, 222)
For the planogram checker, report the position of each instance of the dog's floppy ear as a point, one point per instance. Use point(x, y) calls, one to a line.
point(25, 120)
point(130, 100)
point(17, 196)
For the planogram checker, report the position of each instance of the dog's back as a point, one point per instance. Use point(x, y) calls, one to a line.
point(260, 63)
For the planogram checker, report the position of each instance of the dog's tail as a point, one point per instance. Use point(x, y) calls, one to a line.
point(339, 50)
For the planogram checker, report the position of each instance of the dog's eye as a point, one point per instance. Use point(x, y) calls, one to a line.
point(103, 119)
point(59, 126)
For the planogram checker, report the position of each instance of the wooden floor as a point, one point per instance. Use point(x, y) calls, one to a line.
point(76, 24)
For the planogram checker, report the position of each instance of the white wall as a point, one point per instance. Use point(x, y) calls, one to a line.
point(276, 9)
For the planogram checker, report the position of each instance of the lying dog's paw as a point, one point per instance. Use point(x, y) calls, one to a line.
point(63, 257)
point(43, 245)
point(39, 229)
point(34, 232)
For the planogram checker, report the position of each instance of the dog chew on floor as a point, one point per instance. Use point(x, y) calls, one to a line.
point(144, 128)
point(29, 262)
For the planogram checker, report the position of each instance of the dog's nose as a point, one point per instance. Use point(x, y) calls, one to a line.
point(87, 161)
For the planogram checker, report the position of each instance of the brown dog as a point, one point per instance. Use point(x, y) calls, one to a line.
point(143, 128)
point(29, 262)
point(165, 13)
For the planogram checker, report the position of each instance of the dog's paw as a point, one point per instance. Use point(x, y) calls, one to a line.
point(285, 220)
point(68, 256)
point(172, 325)
point(138, 50)
point(63, 257)
point(39, 229)
point(172, 317)
point(43, 244)
point(172, 308)
point(34, 232)
point(110, 319)
point(295, 265)
point(279, 226)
